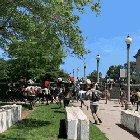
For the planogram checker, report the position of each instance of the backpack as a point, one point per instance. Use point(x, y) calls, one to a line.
point(95, 97)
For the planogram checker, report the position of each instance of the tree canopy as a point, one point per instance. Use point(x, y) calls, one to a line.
point(114, 71)
point(37, 35)
point(93, 76)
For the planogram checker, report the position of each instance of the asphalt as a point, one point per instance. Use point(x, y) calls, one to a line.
point(110, 114)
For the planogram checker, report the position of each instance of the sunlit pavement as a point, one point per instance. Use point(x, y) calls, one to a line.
point(110, 115)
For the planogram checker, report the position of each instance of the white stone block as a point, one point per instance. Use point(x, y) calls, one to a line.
point(15, 113)
point(131, 122)
point(77, 124)
point(9, 114)
point(84, 130)
point(83, 124)
point(3, 125)
point(72, 122)
point(8, 118)
point(128, 119)
point(19, 112)
point(137, 124)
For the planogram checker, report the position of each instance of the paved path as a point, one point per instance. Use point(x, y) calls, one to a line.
point(110, 115)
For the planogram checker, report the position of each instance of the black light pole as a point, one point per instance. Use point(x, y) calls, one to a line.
point(84, 70)
point(77, 73)
point(98, 60)
point(73, 72)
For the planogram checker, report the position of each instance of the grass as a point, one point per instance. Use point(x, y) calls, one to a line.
point(42, 124)
point(45, 123)
point(96, 134)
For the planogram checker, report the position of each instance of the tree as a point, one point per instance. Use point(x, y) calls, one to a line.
point(3, 70)
point(114, 72)
point(93, 76)
point(37, 35)
point(132, 67)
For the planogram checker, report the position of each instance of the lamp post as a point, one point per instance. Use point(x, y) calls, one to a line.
point(84, 70)
point(98, 60)
point(73, 72)
point(128, 41)
point(77, 73)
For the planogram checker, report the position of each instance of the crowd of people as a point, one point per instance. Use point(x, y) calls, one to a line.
point(134, 97)
point(63, 92)
point(48, 93)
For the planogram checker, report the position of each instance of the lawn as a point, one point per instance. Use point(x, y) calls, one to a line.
point(42, 124)
point(45, 123)
point(96, 134)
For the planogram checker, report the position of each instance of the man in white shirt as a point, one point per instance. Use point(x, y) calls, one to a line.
point(46, 92)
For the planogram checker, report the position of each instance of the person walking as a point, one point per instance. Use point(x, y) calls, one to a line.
point(94, 105)
point(138, 95)
point(107, 96)
point(46, 92)
point(132, 97)
point(122, 97)
point(67, 96)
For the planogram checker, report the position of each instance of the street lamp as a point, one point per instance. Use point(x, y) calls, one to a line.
point(77, 73)
point(128, 41)
point(84, 70)
point(73, 72)
point(98, 60)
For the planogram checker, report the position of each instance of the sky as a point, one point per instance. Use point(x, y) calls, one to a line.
point(105, 35)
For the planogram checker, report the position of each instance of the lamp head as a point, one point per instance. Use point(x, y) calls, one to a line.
point(98, 57)
point(128, 40)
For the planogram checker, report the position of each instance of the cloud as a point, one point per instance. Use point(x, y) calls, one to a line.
point(105, 46)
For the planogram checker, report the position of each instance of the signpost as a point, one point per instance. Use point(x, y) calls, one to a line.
point(123, 73)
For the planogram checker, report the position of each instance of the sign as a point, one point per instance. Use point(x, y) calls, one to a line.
point(123, 73)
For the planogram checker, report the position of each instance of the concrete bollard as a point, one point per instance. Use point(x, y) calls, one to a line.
point(3, 125)
point(9, 114)
point(137, 124)
point(83, 124)
point(72, 122)
point(8, 118)
point(131, 120)
point(79, 122)
point(128, 119)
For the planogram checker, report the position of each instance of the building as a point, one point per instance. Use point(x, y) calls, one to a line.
point(137, 72)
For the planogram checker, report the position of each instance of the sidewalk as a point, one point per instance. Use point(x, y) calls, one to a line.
point(110, 115)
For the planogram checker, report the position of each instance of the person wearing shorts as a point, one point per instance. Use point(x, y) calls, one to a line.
point(94, 105)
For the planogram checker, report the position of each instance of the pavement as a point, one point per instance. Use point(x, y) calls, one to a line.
point(110, 114)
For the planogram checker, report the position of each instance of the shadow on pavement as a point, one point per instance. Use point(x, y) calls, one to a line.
point(131, 132)
point(62, 130)
point(116, 106)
